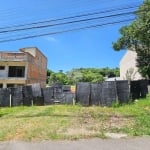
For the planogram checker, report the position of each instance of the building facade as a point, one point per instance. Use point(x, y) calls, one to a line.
point(28, 66)
point(128, 69)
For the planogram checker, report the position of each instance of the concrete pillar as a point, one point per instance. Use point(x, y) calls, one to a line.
point(148, 88)
point(26, 71)
point(6, 70)
point(4, 85)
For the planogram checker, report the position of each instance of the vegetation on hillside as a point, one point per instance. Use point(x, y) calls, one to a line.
point(81, 75)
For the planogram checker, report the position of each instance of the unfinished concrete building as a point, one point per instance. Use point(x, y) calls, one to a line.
point(28, 66)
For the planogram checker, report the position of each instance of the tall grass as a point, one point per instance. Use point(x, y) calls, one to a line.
point(74, 121)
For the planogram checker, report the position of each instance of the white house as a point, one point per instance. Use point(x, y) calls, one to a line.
point(128, 69)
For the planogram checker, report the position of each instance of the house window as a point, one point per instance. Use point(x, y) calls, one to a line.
point(1, 85)
point(16, 71)
point(2, 67)
point(10, 85)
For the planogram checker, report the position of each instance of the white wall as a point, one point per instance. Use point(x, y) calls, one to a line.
point(4, 73)
point(128, 64)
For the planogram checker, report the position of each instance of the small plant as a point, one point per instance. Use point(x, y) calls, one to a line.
point(115, 104)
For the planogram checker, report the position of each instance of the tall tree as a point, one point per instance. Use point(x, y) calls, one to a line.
point(74, 76)
point(58, 77)
point(49, 73)
point(136, 37)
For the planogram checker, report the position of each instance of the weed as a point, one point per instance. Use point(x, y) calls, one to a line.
point(74, 121)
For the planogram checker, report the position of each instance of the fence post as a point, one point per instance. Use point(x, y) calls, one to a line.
point(73, 101)
point(32, 102)
point(117, 100)
point(10, 100)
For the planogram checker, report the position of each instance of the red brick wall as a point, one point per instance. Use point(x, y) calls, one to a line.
point(12, 56)
point(37, 69)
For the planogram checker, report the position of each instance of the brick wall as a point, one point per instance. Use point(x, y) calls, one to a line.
point(37, 68)
point(33, 60)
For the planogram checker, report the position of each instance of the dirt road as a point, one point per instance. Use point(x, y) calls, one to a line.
point(142, 143)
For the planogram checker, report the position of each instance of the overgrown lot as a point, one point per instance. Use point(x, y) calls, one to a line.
point(74, 122)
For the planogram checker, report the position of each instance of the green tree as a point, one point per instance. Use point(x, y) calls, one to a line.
point(81, 75)
point(49, 73)
point(91, 74)
point(58, 77)
point(136, 37)
point(74, 76)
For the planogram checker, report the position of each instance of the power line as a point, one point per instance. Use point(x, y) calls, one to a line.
point(64, 31)
point(78, 20)
point(69, 22)
point(43, 11)
point(69, 3)
point(70, 17)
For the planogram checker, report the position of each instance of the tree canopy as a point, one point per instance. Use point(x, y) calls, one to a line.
point(136, 37)
point(81, 75)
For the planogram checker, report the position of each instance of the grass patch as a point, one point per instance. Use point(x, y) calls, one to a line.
point(74, 122)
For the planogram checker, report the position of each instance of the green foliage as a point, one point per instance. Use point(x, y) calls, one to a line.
point(58, 77)
point(49, 73)
point(74, 76)
point(143, 63)
point(81, 75)
point(136, 36)
point(116, 104)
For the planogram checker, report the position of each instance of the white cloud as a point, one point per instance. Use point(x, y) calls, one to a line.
point(50, 39)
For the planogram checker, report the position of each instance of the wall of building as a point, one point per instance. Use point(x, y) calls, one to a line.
point(34, 65)
point(128, 66)
point(37, 67)
point(3, 72)
point(5, 79)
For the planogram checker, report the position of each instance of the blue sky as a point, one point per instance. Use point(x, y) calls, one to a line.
point(83, 48)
